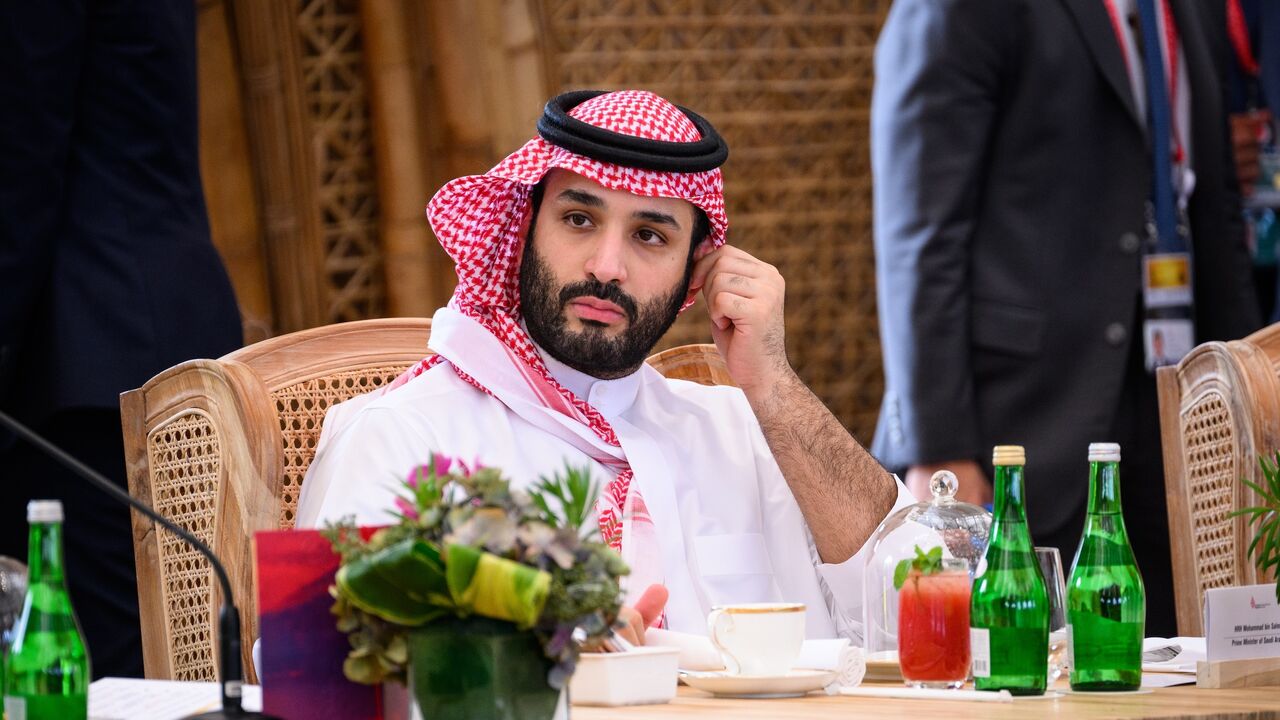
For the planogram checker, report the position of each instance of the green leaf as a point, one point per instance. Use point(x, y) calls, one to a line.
point(925, 563)
point(496, 587)
point(1264, 549)
point(574, 497)
point(900, 573)
point(396, 582)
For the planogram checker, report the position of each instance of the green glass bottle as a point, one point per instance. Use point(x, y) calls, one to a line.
point(48, 671)
point(1009, 609)
point(1106, 602)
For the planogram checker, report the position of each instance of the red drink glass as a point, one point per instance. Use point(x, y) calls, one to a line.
point(933, 627)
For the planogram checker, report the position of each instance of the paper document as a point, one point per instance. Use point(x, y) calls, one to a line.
point(133, 699)
point(1176, 655)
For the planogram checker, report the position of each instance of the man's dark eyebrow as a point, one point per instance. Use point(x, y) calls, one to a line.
point(581, 197)
point(654, 216)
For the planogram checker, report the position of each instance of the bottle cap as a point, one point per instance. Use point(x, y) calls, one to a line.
point(1104, 452)
point(44, 511)
point(1009, 455)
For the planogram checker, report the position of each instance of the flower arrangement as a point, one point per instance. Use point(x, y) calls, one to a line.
point(1265, 548)
point(467, 544)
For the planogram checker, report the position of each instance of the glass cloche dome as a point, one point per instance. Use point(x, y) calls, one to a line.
point(958, 527)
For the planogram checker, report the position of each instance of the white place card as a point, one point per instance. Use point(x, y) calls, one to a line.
point(1242, 623)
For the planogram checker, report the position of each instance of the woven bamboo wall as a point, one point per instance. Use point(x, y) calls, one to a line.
point(357, 110)
point(788, 83)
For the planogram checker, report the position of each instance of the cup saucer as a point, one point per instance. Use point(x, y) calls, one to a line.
point(794, 684)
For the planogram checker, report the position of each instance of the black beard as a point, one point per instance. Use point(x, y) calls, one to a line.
point(590, 351)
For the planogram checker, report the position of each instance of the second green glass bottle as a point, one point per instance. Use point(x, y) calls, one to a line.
point(1106, 602)
point(1009, 609)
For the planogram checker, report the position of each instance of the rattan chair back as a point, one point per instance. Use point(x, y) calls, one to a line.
point(222, 446)
point(1219, 410)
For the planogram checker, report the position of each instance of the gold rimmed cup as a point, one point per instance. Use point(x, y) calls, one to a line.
point(760, 639)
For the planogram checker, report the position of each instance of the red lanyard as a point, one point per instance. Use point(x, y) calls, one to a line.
point(1171, 41)
point(1238, 31)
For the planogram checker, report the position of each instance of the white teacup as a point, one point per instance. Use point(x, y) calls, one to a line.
point(758, 638)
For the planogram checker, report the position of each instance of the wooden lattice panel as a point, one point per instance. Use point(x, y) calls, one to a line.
point(1212, 475)
point(788, 83)
point(185, 467)
point(301, 408)
point(337, 105)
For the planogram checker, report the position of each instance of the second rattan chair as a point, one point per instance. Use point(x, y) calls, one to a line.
point(1219, 410)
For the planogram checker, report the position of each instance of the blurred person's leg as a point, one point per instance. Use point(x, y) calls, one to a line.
point(1146, 515)
point(101, 217)
point(41, 51)
point(1067, 537)
point(98, 539)
point(1136, 427)
point(41, 57)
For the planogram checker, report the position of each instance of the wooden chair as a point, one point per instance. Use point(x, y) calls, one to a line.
point(699, 363)
point(222, 447)
point(1219, 410)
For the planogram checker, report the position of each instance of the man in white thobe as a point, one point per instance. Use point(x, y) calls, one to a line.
point(575, 254)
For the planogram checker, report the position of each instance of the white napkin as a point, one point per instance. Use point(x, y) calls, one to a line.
point(698, 654)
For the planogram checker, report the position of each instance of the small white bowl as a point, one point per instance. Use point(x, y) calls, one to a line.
point(642, 676)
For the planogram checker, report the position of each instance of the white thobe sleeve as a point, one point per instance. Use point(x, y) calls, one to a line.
point(842, 582)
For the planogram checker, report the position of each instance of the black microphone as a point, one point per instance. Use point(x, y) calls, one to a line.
point(232, 670)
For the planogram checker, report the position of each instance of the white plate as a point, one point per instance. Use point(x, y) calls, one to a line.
point(793, 684)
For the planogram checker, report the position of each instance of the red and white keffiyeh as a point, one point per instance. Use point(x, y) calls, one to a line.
point(478, 220)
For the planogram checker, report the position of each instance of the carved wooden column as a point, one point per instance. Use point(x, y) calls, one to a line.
point(279, 138)
point(489, 72)
point(410, 256)
point(227, 171)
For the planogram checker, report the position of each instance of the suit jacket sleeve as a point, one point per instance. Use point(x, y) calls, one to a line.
point(941, 67)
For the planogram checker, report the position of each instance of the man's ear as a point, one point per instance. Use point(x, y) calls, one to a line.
point(704, 249)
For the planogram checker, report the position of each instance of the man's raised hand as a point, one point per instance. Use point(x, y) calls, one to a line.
point(745, 298)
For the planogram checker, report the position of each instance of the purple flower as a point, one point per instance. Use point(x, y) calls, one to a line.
point(407, 508)
point(469, 469)
point(415, 475)
point(443, 463)
point(559, 640)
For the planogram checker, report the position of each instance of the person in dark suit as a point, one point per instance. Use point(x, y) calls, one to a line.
point(1013, 172)
point(106, 264)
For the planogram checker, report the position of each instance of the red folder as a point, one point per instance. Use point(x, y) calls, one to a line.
point(302, 650)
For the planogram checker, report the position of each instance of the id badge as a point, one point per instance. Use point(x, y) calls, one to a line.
point(1166, 280)
point(1167, 341)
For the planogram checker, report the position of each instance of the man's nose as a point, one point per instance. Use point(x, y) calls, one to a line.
point(608, 262)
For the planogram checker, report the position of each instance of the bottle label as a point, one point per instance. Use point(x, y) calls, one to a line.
point(15, 708)
point(980, 646)
point(1071, 647)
